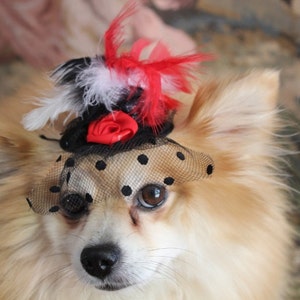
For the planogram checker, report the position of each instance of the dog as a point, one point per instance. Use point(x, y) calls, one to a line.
point(225, 236)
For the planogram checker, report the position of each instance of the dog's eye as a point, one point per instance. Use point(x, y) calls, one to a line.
point(74, 206)
point(151, 196)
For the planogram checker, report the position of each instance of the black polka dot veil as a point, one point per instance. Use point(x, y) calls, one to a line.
point(94, 177)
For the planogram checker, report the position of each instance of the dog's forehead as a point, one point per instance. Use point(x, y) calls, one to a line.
point(119, 175)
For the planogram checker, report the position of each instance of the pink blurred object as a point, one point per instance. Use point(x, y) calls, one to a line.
point(172, 4)
point(33, 30)
point(46, 32)
point(147, 24)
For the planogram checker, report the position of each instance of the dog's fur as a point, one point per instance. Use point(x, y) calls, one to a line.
point(225, 237)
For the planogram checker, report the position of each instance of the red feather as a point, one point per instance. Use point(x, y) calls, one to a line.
point(113, 36)
point(160, 75)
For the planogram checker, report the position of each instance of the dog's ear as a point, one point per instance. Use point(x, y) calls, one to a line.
point(8, 159)
point(16, 144)
point(237, 114)
point(23, 153)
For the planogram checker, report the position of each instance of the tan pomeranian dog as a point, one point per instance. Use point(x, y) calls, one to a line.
point(221, 237)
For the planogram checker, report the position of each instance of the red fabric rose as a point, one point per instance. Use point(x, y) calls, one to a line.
point(115, 127)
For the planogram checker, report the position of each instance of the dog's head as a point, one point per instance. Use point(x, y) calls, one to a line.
point(157, 211)
point(154, 213)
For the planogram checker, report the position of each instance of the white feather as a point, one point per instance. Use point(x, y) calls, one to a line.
point(101, 85)
point(50, 109)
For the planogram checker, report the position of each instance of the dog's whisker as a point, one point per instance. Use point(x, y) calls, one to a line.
point(156, 268)
point(162, 269)
point(58, 254)
point(78, 237)
point(178, 260)
point(193, 255)
point(53, 277)
point(173, 248)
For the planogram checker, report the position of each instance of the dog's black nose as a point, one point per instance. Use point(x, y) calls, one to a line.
point(99, 260)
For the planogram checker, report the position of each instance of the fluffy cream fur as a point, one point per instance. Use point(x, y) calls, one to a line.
point(225, 237)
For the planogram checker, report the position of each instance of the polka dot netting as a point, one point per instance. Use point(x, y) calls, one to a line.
point(94, 176)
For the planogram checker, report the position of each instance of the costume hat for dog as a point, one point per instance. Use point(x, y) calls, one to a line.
point(124, 108)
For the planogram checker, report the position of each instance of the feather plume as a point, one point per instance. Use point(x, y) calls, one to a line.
point(101, 85)
point(50, 108)
point(160, 76)
point(113, 36)
point(85, 82)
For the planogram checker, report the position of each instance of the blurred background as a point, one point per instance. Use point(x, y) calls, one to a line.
point(37, 35)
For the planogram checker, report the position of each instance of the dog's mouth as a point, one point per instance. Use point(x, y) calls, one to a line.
point(113, 286)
